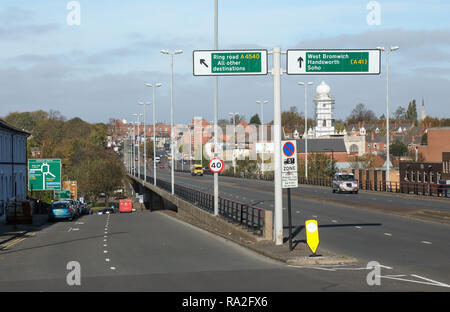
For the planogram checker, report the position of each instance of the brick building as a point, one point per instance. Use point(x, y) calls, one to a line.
point(438, 143)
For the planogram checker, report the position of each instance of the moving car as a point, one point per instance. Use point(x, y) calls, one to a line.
point(61, 210)
point(126, 205)
point(197, 169)
point(344, 182)
point(161, 166)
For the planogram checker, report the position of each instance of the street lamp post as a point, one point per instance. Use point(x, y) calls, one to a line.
point(145, 139)
point(154, 86)
point(387, 114)
point(234, 141)
point(138, 124)
point(262, 131)
point(306, 84)
point(171, 116)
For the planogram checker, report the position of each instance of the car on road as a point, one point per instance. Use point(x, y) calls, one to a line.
point(106, 211)
point(197, 169)
point(61, 210)
point(161, 166)
point(344, 182)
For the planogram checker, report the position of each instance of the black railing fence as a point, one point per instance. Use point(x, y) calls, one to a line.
point(250, 217)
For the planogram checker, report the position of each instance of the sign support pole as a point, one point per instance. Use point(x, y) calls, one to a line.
point(278, 210)
point(290, 218)
point(216, 100)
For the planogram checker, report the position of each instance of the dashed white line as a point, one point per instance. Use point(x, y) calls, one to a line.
point(425, 242)
point(388, 234)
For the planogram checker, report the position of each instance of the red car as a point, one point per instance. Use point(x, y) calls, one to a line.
point(161, 166)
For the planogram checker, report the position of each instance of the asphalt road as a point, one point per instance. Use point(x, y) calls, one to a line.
point(351, 224)
point(152, 251)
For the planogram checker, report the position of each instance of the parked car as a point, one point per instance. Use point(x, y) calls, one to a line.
point(161, 166)
point(344, 182)
point(61, 210)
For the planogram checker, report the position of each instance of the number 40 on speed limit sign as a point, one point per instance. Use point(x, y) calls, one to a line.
point(216, 165)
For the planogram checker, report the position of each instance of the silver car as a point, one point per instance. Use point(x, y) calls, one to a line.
point(345, 182)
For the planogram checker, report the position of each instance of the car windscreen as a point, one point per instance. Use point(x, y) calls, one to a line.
point(346, 177)
point(60, 206)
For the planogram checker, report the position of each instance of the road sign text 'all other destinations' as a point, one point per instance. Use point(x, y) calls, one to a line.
point(223, 63)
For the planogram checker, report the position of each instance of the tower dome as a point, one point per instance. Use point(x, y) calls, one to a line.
point(323, 89)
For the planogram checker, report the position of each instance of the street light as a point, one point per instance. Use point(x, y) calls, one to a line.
point(262, 131)
point(234, 139)
point(306, 84)
point(137, 123)
point(171, 115)
point(145, 138)
point(393, 48)
point(154, 86)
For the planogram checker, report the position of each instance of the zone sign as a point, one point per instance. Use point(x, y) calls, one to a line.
point(216, 165)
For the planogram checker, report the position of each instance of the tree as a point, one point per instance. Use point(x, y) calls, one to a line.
point(291, 120)
point(411, 112)
point(255, 120)
point(398, 148)
point(400, 113)
point(360, 113)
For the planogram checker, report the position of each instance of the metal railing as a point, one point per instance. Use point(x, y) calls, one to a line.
point(247, 216)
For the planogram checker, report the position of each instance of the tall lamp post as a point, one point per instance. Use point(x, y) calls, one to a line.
point(138, 124)
point(262, 131)
point(145, 138)
point(387, 113)
point(306, 84)
point(234, 141)
point(172, 143)
point(154, 86)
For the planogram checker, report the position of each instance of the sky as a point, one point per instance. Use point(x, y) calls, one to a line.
point(96, 70)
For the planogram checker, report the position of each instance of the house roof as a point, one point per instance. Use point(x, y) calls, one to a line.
point(5, 125)
point(322, 145)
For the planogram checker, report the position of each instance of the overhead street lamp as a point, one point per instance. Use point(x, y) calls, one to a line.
point(393, 48)
point(145, 138)
point(262, 131)
point(306, 84)
point(172, 143)
point(154, 86)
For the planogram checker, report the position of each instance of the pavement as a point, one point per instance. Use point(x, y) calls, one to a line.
point(10, 234)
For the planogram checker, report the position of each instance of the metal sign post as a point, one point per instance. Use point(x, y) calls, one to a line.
point(289, 176)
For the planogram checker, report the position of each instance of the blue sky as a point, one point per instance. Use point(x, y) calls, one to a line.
point(97, 70)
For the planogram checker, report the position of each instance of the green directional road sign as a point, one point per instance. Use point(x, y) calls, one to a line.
point(44, 174)
point(322, 62)
point(230, 62)
point(63, 194)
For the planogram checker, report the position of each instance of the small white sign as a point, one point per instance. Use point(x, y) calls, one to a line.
point(216, 165)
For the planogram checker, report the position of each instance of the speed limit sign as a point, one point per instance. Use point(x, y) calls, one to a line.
point(216, 165)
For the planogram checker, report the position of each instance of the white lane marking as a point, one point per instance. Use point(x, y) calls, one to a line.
point(105, 251)
point(388, 234)
point(105, 245)
point(358, 227)
point(113, 268)
point(79, 222)
point(425, 242)
point(297, 211)
point(430, 282)
point(334, 221)
point(107, 259)
point(314, 216)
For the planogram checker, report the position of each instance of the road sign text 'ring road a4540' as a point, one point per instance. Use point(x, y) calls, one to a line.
point(229, 62)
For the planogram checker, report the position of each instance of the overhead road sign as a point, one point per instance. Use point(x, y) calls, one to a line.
point(229, 62)
point(44, 174)
point(333, 62)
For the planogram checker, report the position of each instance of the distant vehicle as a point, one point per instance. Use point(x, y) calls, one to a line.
point(344, 182)
point(106, 211)
point(126, 205)
point(197, 169)
point(157, 159)
point(61, 210)
point(161, 166)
